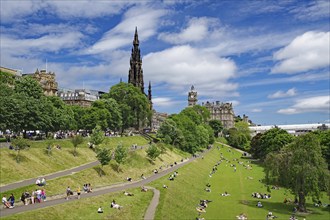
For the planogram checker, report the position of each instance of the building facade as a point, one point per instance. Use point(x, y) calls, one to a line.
point(223, 112)
point(80, 97)
point(46, 80)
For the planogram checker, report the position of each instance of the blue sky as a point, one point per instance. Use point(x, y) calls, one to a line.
point(269, 58)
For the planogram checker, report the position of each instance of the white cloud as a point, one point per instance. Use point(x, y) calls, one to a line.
point(256, 110)
point(197, 29)
point(306, 52)
point(313, 10)
point(311, 104)
point(184, 66)
point(14, 11)
point(281, 94)
point(163, 102)
point(306, 77)
point(145, 18)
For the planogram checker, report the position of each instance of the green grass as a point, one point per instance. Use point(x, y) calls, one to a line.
point(35, 161)
point(134, 207)
point(182, 196)
point(135, 165)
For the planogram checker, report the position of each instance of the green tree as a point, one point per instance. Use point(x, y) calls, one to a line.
point(97, 136)
point(153, 152)
point(104, 157)
point(62, 115)
point(76, 140)
point(20, 144)
point(324, 137)
point(217, 127)
point(271, 141)
point(120, 154)
point(300, 167)
point(133, 104)
point(114, 119)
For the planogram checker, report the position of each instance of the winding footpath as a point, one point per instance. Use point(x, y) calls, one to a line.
point(100, 191)
point(150, 213)
point(48, 176)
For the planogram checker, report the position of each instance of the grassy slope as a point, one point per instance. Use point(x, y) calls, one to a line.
point(35, 161)
point(182, 196)
point(133, 208)
point(135, 165)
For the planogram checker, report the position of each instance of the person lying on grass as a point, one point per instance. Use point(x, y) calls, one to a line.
point(225, 194)
point(114, 205)
point(128, 193)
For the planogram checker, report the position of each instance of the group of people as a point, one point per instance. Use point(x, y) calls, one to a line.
point(37, 196)
point(41, 182)
point(261, 196)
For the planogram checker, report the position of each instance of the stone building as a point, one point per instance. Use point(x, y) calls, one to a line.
point(80, 97)
point(221, 111)
point(46, 80)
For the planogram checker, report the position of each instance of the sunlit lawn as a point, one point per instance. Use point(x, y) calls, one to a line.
point(35, 162)
point(182, 197)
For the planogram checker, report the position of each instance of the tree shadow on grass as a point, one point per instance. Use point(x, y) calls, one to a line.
point(151, 161)
point(281, 208)
point(21, 158)
point(99, 171)
point(74, 153)
point(116, 168)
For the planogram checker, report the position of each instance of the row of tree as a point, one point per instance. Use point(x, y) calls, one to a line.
point(24, 107)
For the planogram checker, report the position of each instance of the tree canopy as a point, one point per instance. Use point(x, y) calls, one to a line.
point(133, 104)
point(271, 141)
point(300, 167)
point(187, 130)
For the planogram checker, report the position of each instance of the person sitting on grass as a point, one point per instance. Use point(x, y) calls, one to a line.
point(129, 179)
point(242, 216)
point(208, 185)
point(100, 210)
point(208, 189)
point(5, 202)
point(259, 204)
point(143, 189)
point(270, 216)
point(165, 187)
point(11, 200)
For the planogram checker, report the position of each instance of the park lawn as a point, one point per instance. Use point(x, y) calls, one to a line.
point(183, 194)
point(135, 165)
point(36, 162)
point(134, 207)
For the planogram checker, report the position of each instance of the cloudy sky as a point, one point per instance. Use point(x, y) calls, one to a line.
point(269, 58)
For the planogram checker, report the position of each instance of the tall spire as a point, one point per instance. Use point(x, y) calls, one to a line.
point(149, 95)
point(135, 74)
point(136, 38)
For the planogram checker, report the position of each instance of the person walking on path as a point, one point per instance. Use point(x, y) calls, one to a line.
point(78, 193)
point(68, 192)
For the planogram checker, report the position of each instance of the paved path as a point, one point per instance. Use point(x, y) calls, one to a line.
point(48, 176)
point(55, 175)
point(96, 192)
point(150, 213)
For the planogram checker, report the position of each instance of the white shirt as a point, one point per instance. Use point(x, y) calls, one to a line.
point(4, 199)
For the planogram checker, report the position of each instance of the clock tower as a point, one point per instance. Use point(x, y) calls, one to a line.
point(192, 97)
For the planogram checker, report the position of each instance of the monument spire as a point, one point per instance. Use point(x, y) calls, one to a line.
point(135, 74)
